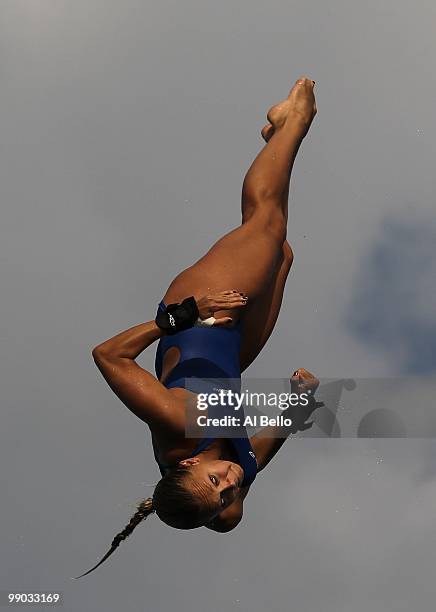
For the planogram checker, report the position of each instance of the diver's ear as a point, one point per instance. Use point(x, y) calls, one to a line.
point(190, 461)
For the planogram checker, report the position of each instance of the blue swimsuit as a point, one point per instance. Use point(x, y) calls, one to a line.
point(208, 353)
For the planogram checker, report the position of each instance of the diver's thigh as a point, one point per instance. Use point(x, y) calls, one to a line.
point(245, 259)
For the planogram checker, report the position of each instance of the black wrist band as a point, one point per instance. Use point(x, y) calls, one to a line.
point(177, 317)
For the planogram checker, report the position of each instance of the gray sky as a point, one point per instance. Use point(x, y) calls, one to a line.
point(127, 129)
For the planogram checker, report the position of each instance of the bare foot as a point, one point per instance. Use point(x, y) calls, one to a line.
point(299, 106)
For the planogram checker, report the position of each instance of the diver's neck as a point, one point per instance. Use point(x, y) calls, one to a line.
point(219, 449)
point(214, 451)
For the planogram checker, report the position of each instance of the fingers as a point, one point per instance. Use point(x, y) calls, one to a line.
point(222, 300)
point(228, 299)
point(231, 292)
point(305, 79)
point(266, 132)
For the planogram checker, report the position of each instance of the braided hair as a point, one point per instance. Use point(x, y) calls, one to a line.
point(145, 508)
point(176, 501)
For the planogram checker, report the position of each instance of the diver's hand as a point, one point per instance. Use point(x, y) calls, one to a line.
point(223, 300)
point(303, 382)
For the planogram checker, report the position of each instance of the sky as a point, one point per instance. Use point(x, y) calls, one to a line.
point(127, 129)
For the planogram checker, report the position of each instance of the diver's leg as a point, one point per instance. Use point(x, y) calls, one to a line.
point(269, 175)
point(260, 317)
point(247, 258)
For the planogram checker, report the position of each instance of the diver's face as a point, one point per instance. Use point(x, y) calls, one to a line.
point(218, 482)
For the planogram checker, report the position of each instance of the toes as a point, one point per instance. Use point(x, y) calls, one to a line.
point(301, 81)
point(267, 131)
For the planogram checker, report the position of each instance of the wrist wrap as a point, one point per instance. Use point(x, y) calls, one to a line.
point(177, 317)
point(205, 322)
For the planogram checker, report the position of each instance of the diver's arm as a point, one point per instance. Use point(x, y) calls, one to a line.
point(269, 440)
point(141, 392)
point(137, 388)
point(130, 343)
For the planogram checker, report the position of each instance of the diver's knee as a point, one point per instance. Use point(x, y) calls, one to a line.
point(288, 254)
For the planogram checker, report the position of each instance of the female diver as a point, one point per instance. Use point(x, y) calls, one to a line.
point(207, 330)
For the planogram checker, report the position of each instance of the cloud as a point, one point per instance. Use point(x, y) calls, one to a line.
point(393, 306)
